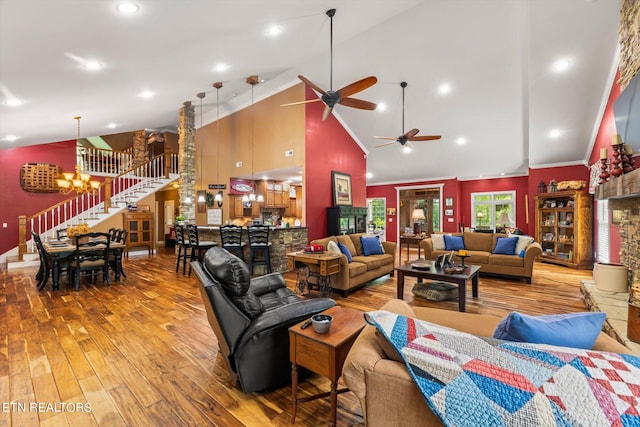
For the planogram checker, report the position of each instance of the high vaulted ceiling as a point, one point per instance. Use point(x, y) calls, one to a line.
point(496, 56)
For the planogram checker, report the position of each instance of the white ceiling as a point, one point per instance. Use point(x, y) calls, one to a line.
point(497, 55)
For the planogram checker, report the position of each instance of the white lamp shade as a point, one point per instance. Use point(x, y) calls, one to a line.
point(418, 214)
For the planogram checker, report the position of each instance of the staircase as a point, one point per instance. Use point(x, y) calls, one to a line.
point(113, 197)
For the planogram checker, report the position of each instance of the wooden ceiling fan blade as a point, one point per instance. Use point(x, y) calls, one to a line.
point(425, 138)
point(386, 143)
point(356, 87)
point(327, 112)
point(311, 84)
point(300, 102)
point(357, 103)
point(410, 134)
point(389, 138)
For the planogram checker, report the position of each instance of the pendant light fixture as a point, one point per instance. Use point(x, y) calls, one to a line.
point(218, 196)
point(80, 182)
point(252, 197)
point(201, 197)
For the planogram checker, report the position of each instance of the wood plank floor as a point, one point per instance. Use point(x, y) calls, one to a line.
point(141, 353)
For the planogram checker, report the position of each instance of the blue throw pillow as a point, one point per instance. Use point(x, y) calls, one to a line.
point(577, 330)
point(506, 246)
point(453, 243)
point(371, 246)
point(345, 251)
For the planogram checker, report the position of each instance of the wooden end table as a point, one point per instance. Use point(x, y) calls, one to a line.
point(409, 241)
point(323, 354)
point(470, 272)
point(326, 265)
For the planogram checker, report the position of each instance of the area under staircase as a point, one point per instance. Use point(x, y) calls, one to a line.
point(114, 196)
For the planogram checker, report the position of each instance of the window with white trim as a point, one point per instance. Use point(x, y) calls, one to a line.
point(491, 210)
point(602, 213)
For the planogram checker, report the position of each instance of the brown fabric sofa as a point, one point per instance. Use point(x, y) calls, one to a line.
point(480, 247)
point(362, 269)
point(387, 393)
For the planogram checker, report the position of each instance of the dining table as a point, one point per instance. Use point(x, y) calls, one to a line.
point(61, 249)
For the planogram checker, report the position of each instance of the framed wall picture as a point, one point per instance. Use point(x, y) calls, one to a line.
point(448, 201)
point(341, 189)
point(448, 212)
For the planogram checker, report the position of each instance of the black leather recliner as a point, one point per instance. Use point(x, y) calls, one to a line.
point(251, 318)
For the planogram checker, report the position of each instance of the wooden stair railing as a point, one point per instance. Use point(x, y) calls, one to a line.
point(80, 208)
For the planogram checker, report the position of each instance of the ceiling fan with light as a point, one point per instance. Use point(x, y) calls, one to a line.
point(341, 96)
point(407, 138)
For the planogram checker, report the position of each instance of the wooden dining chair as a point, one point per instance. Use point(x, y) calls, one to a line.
point(116, 255)
point(91, 256)
point(47, 264)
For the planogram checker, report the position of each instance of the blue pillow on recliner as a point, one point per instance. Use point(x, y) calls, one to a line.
point(578, 330)
point(453, 243)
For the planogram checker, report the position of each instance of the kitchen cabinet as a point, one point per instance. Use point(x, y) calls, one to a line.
point(274, 194)
point(140, 228)
point(564, 228)
point(238, 208)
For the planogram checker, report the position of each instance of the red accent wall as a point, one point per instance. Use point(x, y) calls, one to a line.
point(603, 140)
point(14, 201)
point(519, 184)
point(328, 147)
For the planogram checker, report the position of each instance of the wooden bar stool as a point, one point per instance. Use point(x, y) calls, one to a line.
point(183, 248)
point(198, 248)
point(259, 246)
point(231, 238)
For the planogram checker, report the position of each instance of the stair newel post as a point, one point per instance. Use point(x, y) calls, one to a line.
point(167, 164)
point(107, 194)
point(22, 236)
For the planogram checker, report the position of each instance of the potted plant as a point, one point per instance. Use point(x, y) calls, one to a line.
point(180, 219)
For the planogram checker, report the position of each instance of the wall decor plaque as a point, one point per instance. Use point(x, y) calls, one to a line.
point(40, 177)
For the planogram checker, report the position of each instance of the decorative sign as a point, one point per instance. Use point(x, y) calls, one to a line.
point(214, 216)
point(40, 177)
point(217, 186)
point(241, 186)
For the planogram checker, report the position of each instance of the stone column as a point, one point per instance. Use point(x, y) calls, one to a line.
point(186, 159)
point(139, 148)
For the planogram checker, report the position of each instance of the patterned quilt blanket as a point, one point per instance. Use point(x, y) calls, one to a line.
point(472, 381)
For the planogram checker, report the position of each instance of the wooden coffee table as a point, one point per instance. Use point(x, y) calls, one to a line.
point(323, 354)
point(438, 273)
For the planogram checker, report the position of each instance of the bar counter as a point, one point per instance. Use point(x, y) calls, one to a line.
point(283, 240)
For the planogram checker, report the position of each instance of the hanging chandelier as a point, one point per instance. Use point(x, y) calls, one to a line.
point(252, 197)
point(80, 181)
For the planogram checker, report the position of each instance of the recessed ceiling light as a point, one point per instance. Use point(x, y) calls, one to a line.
point(127, 8)
point(92, 65)
point(555, 133)
point(112, 125)
point(561, 65)
point(221, 67)
point(10, 138)
point(444, 88)
point(369, 175)
point(147, 94)
point(274, 31)
point(381, 107)
point(502, 174)
point(461, 141)
point(13, 102)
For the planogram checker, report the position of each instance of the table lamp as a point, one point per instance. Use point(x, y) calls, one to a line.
point(504, 220)
point(417, 216)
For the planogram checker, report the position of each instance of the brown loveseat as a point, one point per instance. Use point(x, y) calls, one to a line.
point(361, 269)
point(387, 394)
point(480, 246)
